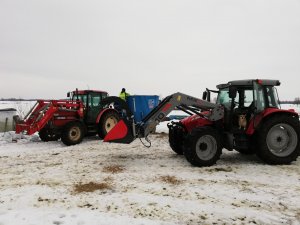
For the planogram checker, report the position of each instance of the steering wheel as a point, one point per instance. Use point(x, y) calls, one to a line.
point(236, 104)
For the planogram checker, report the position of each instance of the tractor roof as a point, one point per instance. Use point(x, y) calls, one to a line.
point(89, 91)
point(249, 83)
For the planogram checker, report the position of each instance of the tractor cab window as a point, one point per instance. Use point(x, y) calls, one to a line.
point(248, 98)
point(94, 106)
point(259, 97)
point(272, 96)
point(94, 99)
point(243, 99)
point(82, 98)
point(223, 98)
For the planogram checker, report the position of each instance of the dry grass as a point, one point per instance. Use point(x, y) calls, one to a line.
point(91, 187)
point(50, 183)
point(53, 164)
point(113, 169)
point(220, 169)
point(161, 135)
point(170, 180)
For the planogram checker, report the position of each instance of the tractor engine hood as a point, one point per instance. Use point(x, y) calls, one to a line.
point(195, 121)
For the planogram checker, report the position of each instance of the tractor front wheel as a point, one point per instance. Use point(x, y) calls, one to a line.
point(48, 135)
point(204, 147)
point(176, 138)
point(107, 122)
point(73, 133)
point(278, 140)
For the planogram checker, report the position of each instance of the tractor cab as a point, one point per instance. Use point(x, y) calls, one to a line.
point(91, 100)
point(244, 99)
point(246, 103)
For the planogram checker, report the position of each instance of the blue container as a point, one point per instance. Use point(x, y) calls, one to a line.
point(141, 105)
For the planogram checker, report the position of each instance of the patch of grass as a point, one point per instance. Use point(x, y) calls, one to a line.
point(53, 164)
point(50, 183)
point(113, 169)
point(298, 215)
point(108, 179)
point(161, 135)
point(219, 169)
point(91, 187)
point(170, 180)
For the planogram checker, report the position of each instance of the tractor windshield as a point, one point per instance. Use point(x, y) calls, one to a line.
point(80, 97)
point(244, 97)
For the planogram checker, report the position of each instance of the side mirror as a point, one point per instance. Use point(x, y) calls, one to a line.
point(204, 95)
point(232, 92)
point(68, 94)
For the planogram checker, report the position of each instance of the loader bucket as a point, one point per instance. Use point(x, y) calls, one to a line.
point(120, 133)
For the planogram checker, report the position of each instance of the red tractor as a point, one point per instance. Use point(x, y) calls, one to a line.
point(246, 117)
point(85, 113)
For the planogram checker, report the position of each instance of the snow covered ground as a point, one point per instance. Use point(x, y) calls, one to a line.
point(102, 183)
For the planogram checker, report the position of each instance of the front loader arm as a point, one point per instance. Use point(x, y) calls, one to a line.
point(178, 100)
point(123, 132)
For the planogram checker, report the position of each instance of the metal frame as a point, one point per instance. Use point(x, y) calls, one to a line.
point(213, 112)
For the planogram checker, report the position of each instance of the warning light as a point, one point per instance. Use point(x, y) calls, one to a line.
point(259, 81)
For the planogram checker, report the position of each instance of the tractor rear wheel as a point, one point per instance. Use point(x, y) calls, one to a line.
point(73, 133)
point(48, 135)
point(204, 147)
point(278, 140)
point(107, 122)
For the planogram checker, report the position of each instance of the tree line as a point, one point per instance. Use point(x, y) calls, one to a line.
point(296, 101)
point(16, 99)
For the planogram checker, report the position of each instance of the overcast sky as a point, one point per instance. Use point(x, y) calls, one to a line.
point(158, 47)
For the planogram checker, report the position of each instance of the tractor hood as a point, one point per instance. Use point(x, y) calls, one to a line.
point(195, 121)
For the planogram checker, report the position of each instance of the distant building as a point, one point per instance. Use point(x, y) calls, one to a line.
point(6, 119)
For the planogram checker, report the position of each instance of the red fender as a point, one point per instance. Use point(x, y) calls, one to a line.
point(255, 121)
point(195, 121)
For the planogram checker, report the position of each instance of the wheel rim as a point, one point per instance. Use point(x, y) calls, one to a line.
point(110, 123)
point(282, 139)
point(206, 147)
point(75, 133)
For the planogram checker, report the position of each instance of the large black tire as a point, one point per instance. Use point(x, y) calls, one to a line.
point(278, 139)
point(107, 122)
point(48, 135)
point(176, 139)
point(203, 147)
point(118, 103)
point(73, 133)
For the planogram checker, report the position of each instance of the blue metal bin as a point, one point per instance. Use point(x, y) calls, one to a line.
point(141, 105)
